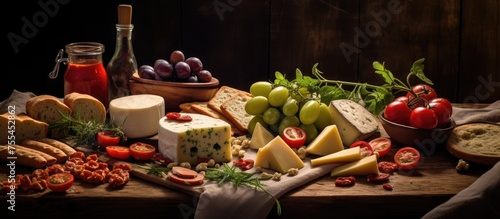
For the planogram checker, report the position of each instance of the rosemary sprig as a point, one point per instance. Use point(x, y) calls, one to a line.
point(239, 178)
point(154, 169)
point(83, 132)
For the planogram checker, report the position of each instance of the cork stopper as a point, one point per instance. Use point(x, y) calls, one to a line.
point(124, 14)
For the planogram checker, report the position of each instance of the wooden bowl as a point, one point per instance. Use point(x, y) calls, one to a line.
point(424, 139)
point(174, 93)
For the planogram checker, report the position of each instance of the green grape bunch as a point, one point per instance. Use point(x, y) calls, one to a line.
point(277, 107)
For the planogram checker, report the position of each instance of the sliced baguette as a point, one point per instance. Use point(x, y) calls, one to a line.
point(234, 110)
point(25, 127)
point(68, 150)
point(85, 107)
point(50, 159)
point(45, 148)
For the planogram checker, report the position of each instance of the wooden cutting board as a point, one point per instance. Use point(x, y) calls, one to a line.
point(163, 181)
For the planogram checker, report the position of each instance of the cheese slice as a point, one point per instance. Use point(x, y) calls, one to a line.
point(327, 142)
point(363, 167)
point(343, 156)
point(203, 137)
point(260, 136)
point(278, 156)
point(137, 115)
point(353, 121)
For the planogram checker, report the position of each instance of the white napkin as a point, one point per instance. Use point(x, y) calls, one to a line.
point(226, 201)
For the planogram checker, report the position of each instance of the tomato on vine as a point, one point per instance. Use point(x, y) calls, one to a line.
point(423, 118)
point(398, 112)
point(422, 90)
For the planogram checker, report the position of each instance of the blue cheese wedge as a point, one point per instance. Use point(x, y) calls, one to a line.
point(353, 121)
point(203, 137)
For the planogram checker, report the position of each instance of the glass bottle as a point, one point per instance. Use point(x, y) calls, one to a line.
point(85, 72)
point(123, 63)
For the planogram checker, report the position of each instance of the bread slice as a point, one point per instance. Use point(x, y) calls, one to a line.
point(223, 94)
point(234, 110)
point(25, 128)
point(46, 108)
point(203, 108)
point(85, 107)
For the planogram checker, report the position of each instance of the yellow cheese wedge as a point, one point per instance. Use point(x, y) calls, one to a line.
point(278, 156)
point(363, 167)
point(327, 142)
point(343, 156)
point(260, 136)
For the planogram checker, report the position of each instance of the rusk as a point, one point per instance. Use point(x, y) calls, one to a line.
point(234, 110)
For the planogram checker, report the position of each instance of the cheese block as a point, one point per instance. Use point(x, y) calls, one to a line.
point(353, 121)
point(278, 156)
point(363, 167)
point(328, 141)
point(203, 137)
point(137, 115)
point(260, 136)
point(343, 156)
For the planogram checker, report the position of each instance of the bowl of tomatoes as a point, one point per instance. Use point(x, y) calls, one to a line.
point(422, 120)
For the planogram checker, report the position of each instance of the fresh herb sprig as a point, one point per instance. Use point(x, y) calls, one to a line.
point(237, 177)
point(373, 97)
point(154, 169)
point(84, 132)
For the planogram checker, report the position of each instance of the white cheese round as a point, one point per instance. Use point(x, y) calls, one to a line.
point(137, 115)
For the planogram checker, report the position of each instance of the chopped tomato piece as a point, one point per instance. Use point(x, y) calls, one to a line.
point(119, 152)
point(142, 151)
point(407, 158)
point(381, 145)
point(365, 148)
point(60, 182)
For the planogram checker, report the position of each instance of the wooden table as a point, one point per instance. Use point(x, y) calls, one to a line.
point(415, 193)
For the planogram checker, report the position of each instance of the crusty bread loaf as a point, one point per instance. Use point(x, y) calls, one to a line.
point(85, 107)
point(50, 159)
point(24, 126)
point(223, 94)
point(46, 108)
point(234, 110)
point(23, 157)
point(68, 150)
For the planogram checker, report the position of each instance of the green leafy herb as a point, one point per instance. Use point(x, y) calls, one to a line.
point(239, 178)
point(154, 169)
point(373, 97)
point(84, 133)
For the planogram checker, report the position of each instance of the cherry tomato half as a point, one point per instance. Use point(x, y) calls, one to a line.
point(294, 136)
point(381, 145)
point(119, 152)
point(142, 151)
point(365, 148)
point(106, 138)
point(60, 182)
point(423, 118)
point(407, 158)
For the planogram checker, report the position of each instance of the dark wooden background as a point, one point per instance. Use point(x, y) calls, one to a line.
point(243, 41)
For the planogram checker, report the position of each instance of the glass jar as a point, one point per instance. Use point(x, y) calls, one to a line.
point(123, 64)
point(85, 72)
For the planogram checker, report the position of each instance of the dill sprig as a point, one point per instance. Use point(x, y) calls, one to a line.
point(239, 178)
point(84, 132)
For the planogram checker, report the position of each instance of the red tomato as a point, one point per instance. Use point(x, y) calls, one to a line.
point(381, 145)
point(423, 118)
point(402, 99)
point(295, 137)
point(423, 90)
point(106, 138)
point(173, 115)
point(178, 117)
point(142, 151)
point(442, 113)
point(119, 152)
point(398, 112)
point(407, 158)
point(444, 101)
point(365, 148)
point(60, 182)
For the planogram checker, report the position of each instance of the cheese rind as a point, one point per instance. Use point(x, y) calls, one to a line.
point(137, 115)
point(260, 136)
point(343, 156)
point(327, 142)
point(203, 137)
point(363, 167)
point(353, 121)
point(278, 156)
